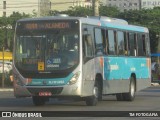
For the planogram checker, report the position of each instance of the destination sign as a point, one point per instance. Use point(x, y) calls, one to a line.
point(57, 25)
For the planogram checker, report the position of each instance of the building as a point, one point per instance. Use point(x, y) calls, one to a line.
point(44, 7)
point(41, 7)
point(149, 4)
point(66, 4)
point(123, 5)
point(7, 7)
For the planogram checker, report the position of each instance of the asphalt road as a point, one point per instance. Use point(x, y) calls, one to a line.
point(146, 100)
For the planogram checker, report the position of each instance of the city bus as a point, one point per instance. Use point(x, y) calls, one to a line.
point(82, 58)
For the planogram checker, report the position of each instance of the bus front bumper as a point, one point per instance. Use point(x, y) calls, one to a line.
point(28, 91)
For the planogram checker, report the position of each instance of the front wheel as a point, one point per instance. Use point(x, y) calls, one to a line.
point(93, 100)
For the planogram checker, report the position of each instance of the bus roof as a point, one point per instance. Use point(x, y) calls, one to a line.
point(97, 21)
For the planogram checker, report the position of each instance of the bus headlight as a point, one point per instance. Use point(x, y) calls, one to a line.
point(74, 78)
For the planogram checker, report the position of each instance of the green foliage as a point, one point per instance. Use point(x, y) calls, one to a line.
point(75, 11)
point(7, 25)
point(108, 11)
point(7, 81)
point(83, 11)
point(16, 16)
point(149, 18)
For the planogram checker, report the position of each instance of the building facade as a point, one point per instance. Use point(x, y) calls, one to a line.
point(7, 7)
point(62, 5)
point(149, 4)
point(44, 6)
point(123, 5)
point(41, 7)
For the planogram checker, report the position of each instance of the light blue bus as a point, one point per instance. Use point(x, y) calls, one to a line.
point(78, 57)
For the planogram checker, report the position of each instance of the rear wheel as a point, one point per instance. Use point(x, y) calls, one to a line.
point(120, 96)
point(131, 94)
point(38, 100)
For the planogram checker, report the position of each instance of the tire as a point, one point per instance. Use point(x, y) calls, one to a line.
point(131, 94)
point(99, 85)
point(37, 101)
point(120, 96)
point(93, 100)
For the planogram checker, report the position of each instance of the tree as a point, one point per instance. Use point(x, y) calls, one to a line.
point(149, 18)
point(7, 25)
point(83, 11)
point(108, 11)
point(75, 11)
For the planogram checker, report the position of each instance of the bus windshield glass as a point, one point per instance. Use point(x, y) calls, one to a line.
point(47, 46)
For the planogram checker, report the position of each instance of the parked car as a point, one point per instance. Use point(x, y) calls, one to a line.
point(6, 68)
point(7, 64)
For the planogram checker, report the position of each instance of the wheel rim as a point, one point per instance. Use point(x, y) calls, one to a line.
point(95, 92)
point(132, 88)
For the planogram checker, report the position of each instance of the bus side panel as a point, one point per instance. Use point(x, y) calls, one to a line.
point(115, 86)
point(118, 70)
point(90, 70)
point(88, 78)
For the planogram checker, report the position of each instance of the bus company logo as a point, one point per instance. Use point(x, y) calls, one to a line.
point(6, 114)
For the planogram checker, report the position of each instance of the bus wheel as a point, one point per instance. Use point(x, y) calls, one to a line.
point(92, 100)
point(38, 100)
point(131, 94)
point(119, 96)
point(99, 85)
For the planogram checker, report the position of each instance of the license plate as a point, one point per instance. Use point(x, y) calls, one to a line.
point(45, 93)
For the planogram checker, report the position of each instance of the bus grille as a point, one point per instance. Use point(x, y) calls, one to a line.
point(54, 91)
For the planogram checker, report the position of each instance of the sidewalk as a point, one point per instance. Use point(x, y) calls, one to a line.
point(6, 89)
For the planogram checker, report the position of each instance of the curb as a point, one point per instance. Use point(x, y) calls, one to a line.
point(6, 89)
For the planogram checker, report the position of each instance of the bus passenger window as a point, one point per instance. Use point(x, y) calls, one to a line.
point(129, 47)
point(107, 43)
point(98, 39)
point(125, 44)
point(111, 42)
point(141, 45)
point(144, 44)
point(88, 46)
point(120, 40)
point(132, 43)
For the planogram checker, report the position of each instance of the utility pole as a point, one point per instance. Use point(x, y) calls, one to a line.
point(3, 76)
point(39, 6)
point(96, 7)
point(4, 15)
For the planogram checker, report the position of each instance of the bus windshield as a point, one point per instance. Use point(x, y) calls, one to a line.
point(48, 49)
